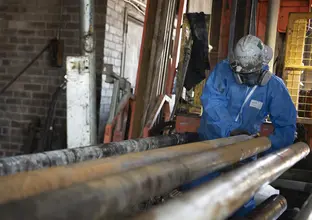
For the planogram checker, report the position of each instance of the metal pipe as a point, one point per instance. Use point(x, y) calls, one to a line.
point(114, 101)
point(12, 165)
point(232, 29)
point(36, 182)
point(270, 34)
point(107, 196)
point(270, 209)
point(306, 210)
point(88, 49)
point(221, 197)
point(253, 16)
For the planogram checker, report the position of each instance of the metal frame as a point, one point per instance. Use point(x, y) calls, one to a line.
point(164, 103)
point(115, 130)
point(294, 57)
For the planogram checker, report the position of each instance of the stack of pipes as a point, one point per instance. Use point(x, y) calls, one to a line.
point(109, 188)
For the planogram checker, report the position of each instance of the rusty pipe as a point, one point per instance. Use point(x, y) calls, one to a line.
point(270, 209)
point(12, 165)
point(105, 197)
point(39, 181)
point(306, 210)
point(221, 197)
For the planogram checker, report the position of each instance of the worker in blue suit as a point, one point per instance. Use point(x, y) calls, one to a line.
point(239, 94)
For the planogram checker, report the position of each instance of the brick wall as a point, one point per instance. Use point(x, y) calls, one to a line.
point(25, 27)
point(113, 50)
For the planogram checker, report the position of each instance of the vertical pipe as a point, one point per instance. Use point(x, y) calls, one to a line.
point(232, 28)
point(270, 34)
point(253, 17)
point(88, 49)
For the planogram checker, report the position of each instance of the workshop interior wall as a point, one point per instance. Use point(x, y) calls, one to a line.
point(26, 27)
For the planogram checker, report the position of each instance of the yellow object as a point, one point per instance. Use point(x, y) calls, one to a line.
point(297, 71)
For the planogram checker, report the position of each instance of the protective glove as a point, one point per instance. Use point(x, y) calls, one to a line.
point(238, 132)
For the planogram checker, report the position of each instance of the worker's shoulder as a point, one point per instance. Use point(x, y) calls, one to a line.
point(223, 68)
point(277, 83)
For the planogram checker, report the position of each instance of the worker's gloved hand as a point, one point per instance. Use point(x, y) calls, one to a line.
point(239, 132)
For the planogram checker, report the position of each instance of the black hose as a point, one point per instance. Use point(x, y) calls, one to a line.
point(47, 136)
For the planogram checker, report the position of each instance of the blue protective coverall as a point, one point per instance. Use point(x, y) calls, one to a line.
point(229, 106)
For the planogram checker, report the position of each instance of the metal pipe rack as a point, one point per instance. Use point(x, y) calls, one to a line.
point(223, 196)
point(111, 187)
point(107, 196)
point(39, 181)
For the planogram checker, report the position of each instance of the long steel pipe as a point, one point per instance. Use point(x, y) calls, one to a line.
point(224, 195)
point(39, 181)
point(270, 209)
point(105, 197)
point(306, 210)
point(12, 165)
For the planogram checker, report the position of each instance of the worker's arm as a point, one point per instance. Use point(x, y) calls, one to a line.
point(283, 115)
point(215, 102)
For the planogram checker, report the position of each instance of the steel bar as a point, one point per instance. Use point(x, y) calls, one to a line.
point(12, 165)
point(306, 210)
point(39, 181)
point(223, 196)
point(270, 209)
point(87, 17)
point(105, 197)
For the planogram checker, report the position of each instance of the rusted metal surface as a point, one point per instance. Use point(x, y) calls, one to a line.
point(223, 196)
point(270, 209)
point(115, 130)
point(105, 197)
point(39, 181)
point(11, 165)
point(306, 210)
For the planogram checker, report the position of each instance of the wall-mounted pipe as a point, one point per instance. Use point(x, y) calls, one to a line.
point(223, 196)
point(87, 47)
point(105, 197)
